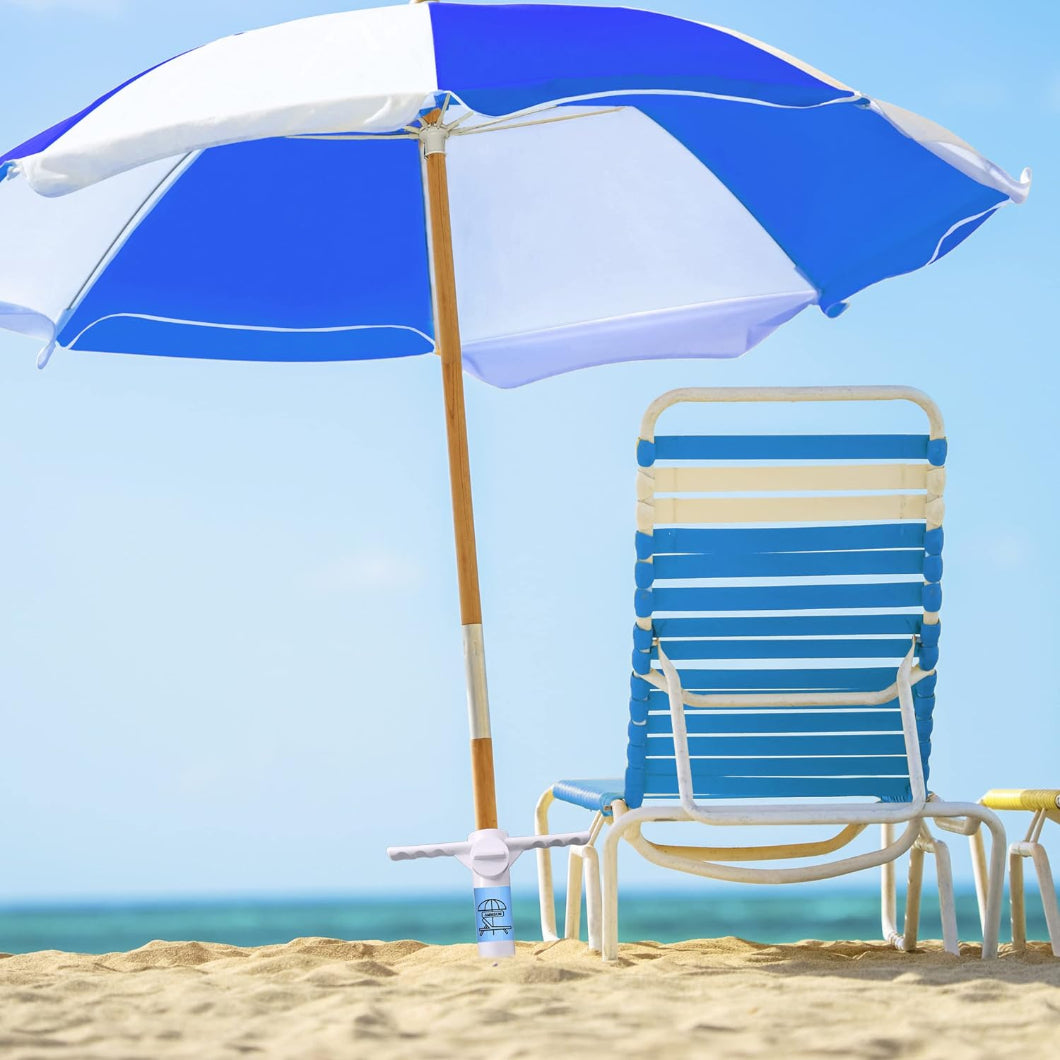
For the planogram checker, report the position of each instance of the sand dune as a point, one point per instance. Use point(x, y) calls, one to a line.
point(324, 998)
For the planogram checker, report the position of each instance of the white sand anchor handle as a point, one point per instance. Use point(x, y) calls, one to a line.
point(490, 853)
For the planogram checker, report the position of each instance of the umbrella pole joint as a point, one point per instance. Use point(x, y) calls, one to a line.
point(489, 852)
point(433, 136)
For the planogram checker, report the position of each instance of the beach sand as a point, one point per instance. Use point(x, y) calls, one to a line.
point(324, 998)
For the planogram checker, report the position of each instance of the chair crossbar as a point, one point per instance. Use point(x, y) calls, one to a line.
point(787, 625)
point(815, 597)
point(903, 534)
point(662, 784)
point(777, 766)
point(788, 564)
point(656, 701)
point(863, 648)
point(792, 447)
point(736, 478)
point(790, 744)
point(833, 679)
point(840, 720)
point(789, 509)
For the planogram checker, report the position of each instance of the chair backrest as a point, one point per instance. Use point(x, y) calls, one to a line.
point(785, 565)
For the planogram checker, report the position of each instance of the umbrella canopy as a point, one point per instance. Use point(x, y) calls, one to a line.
point(569, 185)
point(648, 187)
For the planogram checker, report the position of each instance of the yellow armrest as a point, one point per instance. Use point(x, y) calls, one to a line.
point(1022, 799)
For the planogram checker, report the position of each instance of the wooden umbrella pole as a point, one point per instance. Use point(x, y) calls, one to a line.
point(447, 338)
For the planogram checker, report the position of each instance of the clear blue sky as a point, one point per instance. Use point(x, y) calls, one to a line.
point(229, 647)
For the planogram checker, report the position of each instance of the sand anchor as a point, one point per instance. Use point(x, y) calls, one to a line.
point(490, 853)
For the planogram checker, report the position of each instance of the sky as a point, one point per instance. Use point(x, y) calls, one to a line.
point(229, 642)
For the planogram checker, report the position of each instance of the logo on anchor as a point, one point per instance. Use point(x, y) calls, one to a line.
point(490, 911)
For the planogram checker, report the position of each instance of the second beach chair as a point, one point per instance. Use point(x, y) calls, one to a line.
point(784, 651)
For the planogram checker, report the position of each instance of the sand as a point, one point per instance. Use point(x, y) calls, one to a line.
point(324, 998)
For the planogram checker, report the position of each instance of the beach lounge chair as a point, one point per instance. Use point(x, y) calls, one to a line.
point(1044, 805)
point(784, 651)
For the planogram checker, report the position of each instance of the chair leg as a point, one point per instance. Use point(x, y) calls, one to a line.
point(968, 819)
point(888, 893)
point(572, 922)
point(609, 874)
point(1016, 898)
point(1049, 904)
point(995, 883)
point(592, 896)
point(979, 873)
point(929, 844)
point(947, 902)
point(911, 927)
point(907, 940)
point(545, 890)
point(888, 900)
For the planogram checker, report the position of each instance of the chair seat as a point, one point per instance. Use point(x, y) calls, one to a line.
point(590, 794)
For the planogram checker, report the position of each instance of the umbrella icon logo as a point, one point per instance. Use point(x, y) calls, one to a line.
point(490, 911)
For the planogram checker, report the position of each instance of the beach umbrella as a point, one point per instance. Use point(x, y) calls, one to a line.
point(523, 190)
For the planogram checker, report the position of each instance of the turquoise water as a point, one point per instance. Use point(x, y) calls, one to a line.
point(764, 916)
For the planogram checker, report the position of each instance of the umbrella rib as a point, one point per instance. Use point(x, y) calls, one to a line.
point(506, 122)
point(143, 208)
point(499, 126)
point(552, 105)
point(351, 136)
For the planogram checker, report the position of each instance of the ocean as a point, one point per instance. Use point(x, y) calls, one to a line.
point(769, 915)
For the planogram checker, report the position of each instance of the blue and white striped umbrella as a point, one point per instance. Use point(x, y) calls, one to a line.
point(604, 184)
point(623, 185)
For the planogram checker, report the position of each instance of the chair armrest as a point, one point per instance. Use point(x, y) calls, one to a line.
point(904, 683)
point(676, 694)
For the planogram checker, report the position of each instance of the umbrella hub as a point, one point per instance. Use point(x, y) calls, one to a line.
point(433, 137)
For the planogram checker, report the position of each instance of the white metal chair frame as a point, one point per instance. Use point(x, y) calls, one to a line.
point(962, 817)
